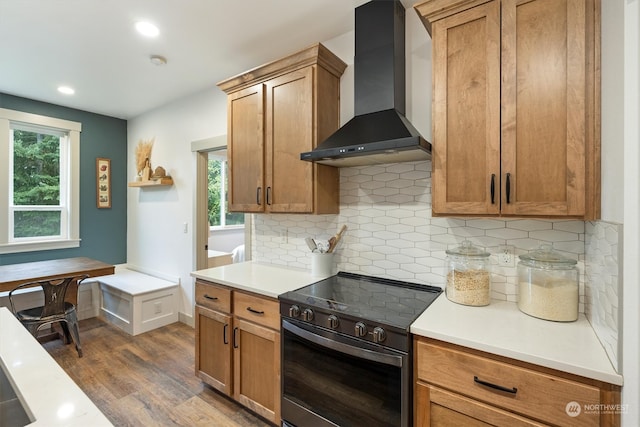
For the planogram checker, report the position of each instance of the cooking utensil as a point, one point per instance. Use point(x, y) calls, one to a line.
point(311, 244)
point(333, 242)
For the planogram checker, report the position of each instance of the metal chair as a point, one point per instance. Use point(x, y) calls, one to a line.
point(55, 309)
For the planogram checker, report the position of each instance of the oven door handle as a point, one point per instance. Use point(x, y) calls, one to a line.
point(374, 356)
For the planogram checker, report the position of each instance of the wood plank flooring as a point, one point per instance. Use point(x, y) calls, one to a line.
point(146, 380)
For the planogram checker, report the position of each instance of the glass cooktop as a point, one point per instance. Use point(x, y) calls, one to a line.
point(374, 299)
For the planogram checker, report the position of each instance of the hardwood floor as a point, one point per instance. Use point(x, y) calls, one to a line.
point(146, 380)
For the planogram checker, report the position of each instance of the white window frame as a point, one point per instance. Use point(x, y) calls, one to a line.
point(70, 159)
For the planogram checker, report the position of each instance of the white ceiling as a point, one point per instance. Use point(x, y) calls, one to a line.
point(92, 46)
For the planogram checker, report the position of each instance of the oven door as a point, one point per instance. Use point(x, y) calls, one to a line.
point(330, 379)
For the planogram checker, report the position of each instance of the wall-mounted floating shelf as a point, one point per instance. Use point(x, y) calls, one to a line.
point(166, 181)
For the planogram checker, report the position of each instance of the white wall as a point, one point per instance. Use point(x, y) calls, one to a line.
point(226, 240)
point(631, 185)
point(156, 216)
point(612, 157)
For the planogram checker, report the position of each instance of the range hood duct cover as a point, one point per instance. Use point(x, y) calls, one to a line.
point(379, 133)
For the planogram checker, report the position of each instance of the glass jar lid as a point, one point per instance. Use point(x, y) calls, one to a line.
point(468, 250)
point(546, 257)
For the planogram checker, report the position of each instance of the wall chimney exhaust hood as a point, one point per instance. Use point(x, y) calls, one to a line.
point(379, 133)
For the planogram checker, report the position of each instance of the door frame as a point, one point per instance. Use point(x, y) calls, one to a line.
point(201, 149)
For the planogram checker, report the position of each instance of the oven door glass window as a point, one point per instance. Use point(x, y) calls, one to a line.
point(345, 389)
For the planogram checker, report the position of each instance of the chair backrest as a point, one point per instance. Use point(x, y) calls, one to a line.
point(55, 291)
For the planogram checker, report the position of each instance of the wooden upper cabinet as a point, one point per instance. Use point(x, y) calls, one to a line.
point(289, 131)
point(276, 112)
point(466, 112)
point(516, 119)
point(245, 149)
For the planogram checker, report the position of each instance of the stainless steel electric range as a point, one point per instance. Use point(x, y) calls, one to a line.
point(347, 351)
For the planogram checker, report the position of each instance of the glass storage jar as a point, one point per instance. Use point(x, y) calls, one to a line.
point(548, 285)
point(468, 278)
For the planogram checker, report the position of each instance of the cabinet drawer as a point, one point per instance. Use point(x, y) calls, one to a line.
point(261, 310)
point(534, 394)
point(213, 296)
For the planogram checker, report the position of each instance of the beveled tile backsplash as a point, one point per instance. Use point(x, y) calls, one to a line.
point(391, 233)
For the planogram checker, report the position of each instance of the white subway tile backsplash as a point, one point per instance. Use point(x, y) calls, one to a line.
point(485, 224)
point(530, 224)
point(570, 226)
point(554, 236)
point(391, 233)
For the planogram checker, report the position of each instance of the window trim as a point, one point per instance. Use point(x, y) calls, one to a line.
point(73, 130)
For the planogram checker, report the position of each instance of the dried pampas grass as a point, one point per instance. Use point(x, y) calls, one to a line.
point(143, 152)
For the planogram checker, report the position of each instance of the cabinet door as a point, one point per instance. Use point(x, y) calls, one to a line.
point(466, 112)
point(438, 407)
point(544, 105)
point(213, 349)
point(257, 369)
point(289, 132)
point(245, 151)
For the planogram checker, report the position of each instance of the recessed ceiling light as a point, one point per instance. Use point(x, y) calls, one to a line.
point(147, 29)
point(158, 60)
point(66, 90)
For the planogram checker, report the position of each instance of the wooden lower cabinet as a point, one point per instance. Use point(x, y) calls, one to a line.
point(238, 351)
point(213, 350)
point(257, 369)
point(457, 386)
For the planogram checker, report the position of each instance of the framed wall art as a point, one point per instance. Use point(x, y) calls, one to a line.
point(103, 183)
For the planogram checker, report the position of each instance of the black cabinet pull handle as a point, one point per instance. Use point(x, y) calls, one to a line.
point(255, 311)
point(207, 296)
point(493, 188)
point(258, 191)
point(225, 330)
point(508, 188)
point(269, 196)
point(495, 386)
point(235, 337)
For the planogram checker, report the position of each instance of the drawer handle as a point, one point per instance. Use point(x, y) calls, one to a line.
point(255, 311)
point(210, 297)
point(495, 386)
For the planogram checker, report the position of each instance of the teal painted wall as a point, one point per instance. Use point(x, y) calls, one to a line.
point(103, 231)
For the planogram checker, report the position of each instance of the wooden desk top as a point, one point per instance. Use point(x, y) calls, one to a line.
point(13, 275)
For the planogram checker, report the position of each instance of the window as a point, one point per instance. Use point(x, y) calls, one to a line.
point(40, 192)
point(218, 184)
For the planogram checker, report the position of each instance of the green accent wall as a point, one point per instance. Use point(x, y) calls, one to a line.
point(103, 231)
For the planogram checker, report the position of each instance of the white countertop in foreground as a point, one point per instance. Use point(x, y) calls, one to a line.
point(264, 279)
point(500, 328)
point(49, 394)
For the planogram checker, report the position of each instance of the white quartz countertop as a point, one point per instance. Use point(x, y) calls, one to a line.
point(49, 395)
point(263, 279)
point(500, 328)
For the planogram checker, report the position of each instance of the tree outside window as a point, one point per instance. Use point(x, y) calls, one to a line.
point(37, 207)
point(217, 189)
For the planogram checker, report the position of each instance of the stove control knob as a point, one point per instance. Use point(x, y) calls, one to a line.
point(333, 321)
point(379, 335)
point(360, 329)
point(294, 311)
point(307, 315)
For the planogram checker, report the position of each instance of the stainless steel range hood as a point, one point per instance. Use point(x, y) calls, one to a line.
point(379, 133)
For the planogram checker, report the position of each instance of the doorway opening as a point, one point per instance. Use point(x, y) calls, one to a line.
point(221, 237)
